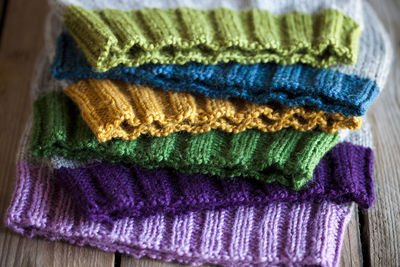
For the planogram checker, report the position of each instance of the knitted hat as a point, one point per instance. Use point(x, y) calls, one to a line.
point(116, 109)
point(106, 192)
point(278, 233)
point(343, 89)
point(109, 37)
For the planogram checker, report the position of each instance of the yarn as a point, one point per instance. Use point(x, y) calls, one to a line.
point(340, 89)
point(274, 234)
point(351, 8)
point(176, 36)
point(287, 156)
point(240, 236)
point(106, 192)
point(116, 109)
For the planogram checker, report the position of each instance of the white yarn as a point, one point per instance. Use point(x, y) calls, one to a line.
point(375, 54)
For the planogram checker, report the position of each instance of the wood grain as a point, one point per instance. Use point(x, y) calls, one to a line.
point(20, 44)
point(383, 219)
point(145, 262)
point(3, 9)
point(351, 251)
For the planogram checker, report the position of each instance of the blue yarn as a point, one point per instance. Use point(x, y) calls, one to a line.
point(290, 85)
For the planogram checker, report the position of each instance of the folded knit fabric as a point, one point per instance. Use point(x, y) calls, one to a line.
point(110, 37)
point(278, 233)
point(339, 89)
point(287, 156)
point(106, 192)
point(117, 109)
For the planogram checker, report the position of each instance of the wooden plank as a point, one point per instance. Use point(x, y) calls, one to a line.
point(20, 44)
point(351, 251)
point(127, 261)
point(382, 222)
point(3, 8)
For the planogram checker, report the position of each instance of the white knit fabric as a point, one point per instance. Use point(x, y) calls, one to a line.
point(352, 8)
point(376, 53)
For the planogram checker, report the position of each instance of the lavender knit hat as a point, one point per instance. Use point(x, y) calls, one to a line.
point(278, 233)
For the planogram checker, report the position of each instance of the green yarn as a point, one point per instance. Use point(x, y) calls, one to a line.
point(288, 156)
point(176, 36)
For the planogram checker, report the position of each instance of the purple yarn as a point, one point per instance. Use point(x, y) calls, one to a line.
point(106, 191)
point(277, 234)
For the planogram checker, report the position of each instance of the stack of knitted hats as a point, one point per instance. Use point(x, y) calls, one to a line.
point(213, 131)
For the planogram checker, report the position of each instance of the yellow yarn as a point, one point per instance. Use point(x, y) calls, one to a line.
point(117, 109)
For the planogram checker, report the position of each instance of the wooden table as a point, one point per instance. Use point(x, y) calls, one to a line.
point(372, 238)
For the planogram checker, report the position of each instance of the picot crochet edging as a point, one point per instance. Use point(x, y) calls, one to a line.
point(176, 36)
point(240, 236)
point(287, 156)
point(117, 109)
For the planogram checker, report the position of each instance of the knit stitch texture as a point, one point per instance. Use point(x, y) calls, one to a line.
point(291, 85)
point(176, 36)
point(279, 233)
point(287, 156)
point(339, 89)
point(375, 50)
point(116, 109)
point(274, 234)
point(352, 8)
point(106, 192)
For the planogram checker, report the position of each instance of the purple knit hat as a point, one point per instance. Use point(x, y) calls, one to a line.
point(285, 233)
point(107, 191)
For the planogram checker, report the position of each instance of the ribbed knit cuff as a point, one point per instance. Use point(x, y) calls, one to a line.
point(340, 89)
point(351, 8)
point(291, 85)
point(177, 36)
point(116, 109)
point(279, 233)
point(106, 192)
point(287, 156)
